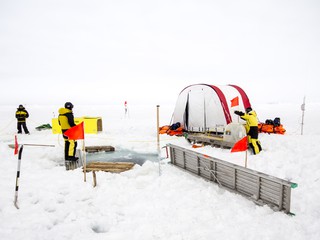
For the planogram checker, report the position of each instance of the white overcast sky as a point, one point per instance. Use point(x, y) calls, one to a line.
point(109, 51)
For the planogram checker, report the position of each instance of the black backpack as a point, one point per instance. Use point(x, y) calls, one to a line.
point(269, 121)
point(276, 122)
point(175, 126)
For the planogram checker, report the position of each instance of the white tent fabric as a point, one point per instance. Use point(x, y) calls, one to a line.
point(204, 107)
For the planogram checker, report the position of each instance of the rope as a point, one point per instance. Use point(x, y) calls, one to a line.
point(212, 173)
point(59, 141)
point(100, 137)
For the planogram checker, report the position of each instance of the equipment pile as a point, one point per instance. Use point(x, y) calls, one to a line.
point(272, 126)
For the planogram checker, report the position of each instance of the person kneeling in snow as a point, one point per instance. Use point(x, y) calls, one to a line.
point(251, 128)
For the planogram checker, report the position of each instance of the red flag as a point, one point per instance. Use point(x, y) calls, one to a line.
point(16, 145)
point(241, 145)
point(75, 132)
point(235, 102)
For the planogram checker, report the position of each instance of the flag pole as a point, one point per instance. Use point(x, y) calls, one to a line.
point(245, 164)
point(240, 146)
point(77, 133)
point(84, 161)
point(158, 139)
point(84, 156)
point(303, 108)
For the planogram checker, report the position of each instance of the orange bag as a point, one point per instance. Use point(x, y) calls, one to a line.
point(269, 128)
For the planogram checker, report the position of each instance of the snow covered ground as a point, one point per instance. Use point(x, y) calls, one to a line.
point(140, 204)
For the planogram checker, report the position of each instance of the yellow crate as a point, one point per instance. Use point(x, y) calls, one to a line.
point(91, 124)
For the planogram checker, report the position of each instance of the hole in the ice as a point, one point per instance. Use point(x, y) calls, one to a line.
point(122, 155)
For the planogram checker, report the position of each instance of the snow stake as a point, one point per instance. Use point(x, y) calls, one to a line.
point(17, 178)
point(19, 150)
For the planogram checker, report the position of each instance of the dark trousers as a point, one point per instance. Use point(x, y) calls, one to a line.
point(70, 147)
point(24, 126)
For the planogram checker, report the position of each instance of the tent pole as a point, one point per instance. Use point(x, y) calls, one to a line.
point(205, 114)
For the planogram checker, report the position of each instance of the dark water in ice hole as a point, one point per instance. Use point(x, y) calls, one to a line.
point(121, 155)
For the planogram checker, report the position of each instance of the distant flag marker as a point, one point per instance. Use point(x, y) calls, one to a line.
point(16, 145)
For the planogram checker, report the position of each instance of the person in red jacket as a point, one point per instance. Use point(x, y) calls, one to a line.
point(21, 116)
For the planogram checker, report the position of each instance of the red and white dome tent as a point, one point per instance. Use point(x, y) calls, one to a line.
point(205, 108)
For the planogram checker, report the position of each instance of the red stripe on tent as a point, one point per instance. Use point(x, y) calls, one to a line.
point(224, 103)
point(245, 99)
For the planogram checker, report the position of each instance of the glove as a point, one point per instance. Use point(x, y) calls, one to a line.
point(239, 113)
